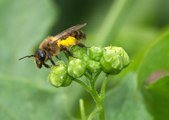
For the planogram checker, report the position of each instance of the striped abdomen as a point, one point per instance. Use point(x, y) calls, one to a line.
point(76, 34)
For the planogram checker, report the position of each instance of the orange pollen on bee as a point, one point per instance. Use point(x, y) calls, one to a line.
point(69, 41)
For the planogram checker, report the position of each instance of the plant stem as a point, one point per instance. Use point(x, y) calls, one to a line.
point(103, 88)
point(88, 76)
point(91, 116)
point(82, 110)
point(96, 76)
point(98, 98)
point(101, 111)
point(88, 89)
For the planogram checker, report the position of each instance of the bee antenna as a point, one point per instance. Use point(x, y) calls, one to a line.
point(28, 56)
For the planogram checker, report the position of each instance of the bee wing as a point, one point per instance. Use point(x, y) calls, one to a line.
point(76, 27)
point(68, 31)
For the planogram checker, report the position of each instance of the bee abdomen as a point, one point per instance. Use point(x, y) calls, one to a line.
point(78, 35)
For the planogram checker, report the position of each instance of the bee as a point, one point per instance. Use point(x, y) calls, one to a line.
point(53, 45)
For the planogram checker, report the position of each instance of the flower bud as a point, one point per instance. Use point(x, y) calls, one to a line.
point(76, 67)
point(58, 76)
point(126, 59)
point(79, 52)
point(86, 58)
point(114, 59)
point(67, 81)
point(95, 53)
point(93, 66)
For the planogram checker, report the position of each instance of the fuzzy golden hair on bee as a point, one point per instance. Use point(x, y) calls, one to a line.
point(51, 46)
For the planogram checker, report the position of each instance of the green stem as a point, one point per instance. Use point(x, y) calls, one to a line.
point(96, 76)
point(82, 110)
point(98, 98)
point(101, 112)
point(103, 88)
point(101, 98)
point(87, 76)
point(88, 89)
point(99, 101)
point(91, 116)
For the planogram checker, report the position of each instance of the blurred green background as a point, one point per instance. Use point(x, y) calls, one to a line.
point(139, 26)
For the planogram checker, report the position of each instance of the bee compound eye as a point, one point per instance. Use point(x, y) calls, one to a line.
point(41, 55)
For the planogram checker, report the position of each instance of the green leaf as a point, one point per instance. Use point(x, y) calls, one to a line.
point(22, 100)
point(113, 21)
point(154, 65)
point(25, 93)
point(157, 98)
point(24, 24)
point(125, 102)
point(155, 59)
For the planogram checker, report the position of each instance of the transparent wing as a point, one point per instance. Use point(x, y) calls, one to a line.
point(68, 31)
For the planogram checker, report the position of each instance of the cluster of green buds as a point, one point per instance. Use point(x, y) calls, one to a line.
point(110, 60)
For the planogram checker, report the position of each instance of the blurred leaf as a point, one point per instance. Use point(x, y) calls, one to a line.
point(157, 98)
point(23, 24)
point(134, 38)
point(153, 66)
point(113, 21)
point(151, 13)
point(25, 93)
point(125, 102)
point(21, 100)
point(155, 58)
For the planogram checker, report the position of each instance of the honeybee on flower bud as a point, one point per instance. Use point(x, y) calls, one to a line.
point(52, 45)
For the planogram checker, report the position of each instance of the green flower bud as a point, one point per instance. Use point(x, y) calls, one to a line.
point(76, 67)
point(126, 59)
point(94, 66)
point(95, 53)
point(67, 81)
point(86, 58)
point(79, 52)
point(58, 76)
point(114, 59)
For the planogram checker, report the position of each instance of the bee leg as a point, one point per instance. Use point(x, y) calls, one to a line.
point(81, 45)
point(69, 53)
point(57, 57)
point(46, 65)
point(52, 61)
point(63, 48)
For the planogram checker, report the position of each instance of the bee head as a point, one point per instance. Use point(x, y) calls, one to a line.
point(40, 56)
